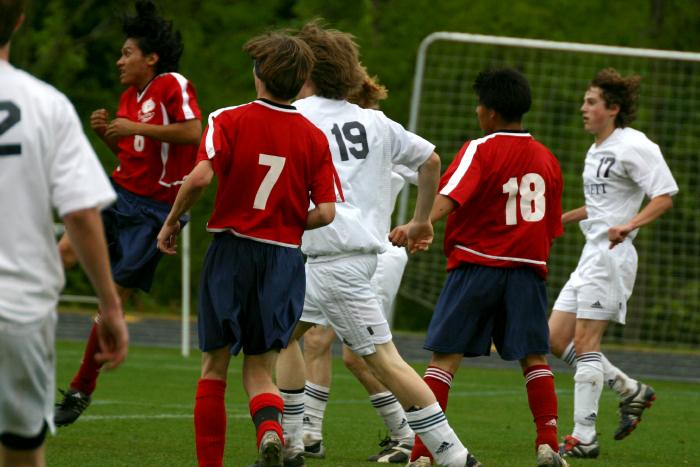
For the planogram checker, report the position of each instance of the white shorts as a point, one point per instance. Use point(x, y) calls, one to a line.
point(601, 284)
point(27, 376)
point(339, 293)
point(387, 278)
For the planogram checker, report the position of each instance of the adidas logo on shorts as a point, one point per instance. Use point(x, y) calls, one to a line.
point(597, 305)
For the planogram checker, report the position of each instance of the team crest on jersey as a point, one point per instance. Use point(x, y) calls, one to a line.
point(147, 110)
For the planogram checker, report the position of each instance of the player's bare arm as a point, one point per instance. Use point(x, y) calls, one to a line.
point(197, 181)
point(322, 214)
point(442, 206)
point(574, 215)
point(420, 230)
point(85, 230)
point(652, 211)
point(99, 121)
point(187, 132)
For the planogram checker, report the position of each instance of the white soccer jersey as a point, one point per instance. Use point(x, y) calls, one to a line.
point(365, 144)
point(616, 176)
point(45, 162)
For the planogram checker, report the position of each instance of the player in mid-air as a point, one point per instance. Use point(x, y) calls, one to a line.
point(342, 257)
point(154, 135)
point(502, 196)
point(319, 339)
point(621, 167)
point(46, 163)
point(270, 162)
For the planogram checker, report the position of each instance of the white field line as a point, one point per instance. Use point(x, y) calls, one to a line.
point(162, 416)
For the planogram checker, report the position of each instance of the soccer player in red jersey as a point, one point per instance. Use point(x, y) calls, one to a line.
point(155, 138)
point(270, 162)
point(502, 196)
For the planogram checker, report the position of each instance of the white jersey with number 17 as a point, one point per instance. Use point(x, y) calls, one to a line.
point(365, 144)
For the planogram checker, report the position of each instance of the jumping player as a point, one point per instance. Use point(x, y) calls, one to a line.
point(502, 196)
point(46, 163)
point(342, 257)
point(270, 163)
point(155, 138)
point(621, 167)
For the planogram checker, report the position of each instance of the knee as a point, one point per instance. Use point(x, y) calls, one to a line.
point(353, 363)
point(558, 345)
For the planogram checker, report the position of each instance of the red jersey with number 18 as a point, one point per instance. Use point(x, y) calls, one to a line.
point(508, 187)
point(270, 161)
point(148, 167)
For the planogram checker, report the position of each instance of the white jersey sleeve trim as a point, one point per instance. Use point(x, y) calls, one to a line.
point(464, 165)
point(502, 258)
point(186, 109)
point(257, 239)
point(209, 137)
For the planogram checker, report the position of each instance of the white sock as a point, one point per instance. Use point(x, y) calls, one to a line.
point(616, 380)
point(292, 422)
point(587, 389)
point(431, 425)
point(315, 401)
point(569, 355)
point(394, 417)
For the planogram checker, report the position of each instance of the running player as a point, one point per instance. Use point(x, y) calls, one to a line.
point(342, 257)
point(155, 138)
point(502, 196)
point(270, 162)
point(621, 167)
point(46, 163)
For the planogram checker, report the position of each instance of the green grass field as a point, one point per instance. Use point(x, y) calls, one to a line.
point(142, 416)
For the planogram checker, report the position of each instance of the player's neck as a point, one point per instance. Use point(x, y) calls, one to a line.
point(5, 52)
point(271, 98)
point(142, 84)
point(604, 134)
point(511, 126)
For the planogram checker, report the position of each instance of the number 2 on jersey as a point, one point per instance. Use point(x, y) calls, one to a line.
point(11, 118)
point(532, 201)
point(276, 164)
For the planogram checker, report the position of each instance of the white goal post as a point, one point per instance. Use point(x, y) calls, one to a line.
point(667, 292)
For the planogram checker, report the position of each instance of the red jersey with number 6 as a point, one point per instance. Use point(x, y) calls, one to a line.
point(149, 167)
point(270, 161)
point(508, 189)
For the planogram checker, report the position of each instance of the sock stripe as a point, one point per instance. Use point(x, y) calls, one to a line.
point(589, 357)
point(538, 374)
point(428, 422)
point(316, 394)
point(439, 374)
point(293, 409)
point(383, 401)
point(569, 355)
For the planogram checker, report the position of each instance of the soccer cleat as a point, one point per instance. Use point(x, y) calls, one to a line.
point(547, 457)
point(295, 461)
point(71, 407)
point(631, 410)
point(270, 452)
point(315, 449)
point(572, 447)
point(422, 461)
point(393, 452)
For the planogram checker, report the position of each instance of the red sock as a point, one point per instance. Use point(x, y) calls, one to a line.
point(542, 398)
point(210, 422)
point(439, 381)
point(86, 378)
point(266, 410)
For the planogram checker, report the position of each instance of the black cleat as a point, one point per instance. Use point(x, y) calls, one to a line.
point(71, 407)
point(315, 450)
point(472, 462)
point(572, 447)
point(295, 461)
point(631, 410)
point(270, 452)
point(392, 452)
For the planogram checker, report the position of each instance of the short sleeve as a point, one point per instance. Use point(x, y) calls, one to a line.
point(181, 99)
point(407, 149)
point(214, 145)
point(461, 180)
point(645, 165)
point(408, 175)
point(325, 183)
point(76, 176)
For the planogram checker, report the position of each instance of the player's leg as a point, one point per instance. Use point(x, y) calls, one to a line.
point(210, 407)
point(318, 343)
point(14, 454)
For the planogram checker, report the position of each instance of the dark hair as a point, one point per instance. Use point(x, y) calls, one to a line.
point(281, 61)
point(154, 34)
point(504, 90)
point(370, 93)
point(337, 72)
point(616, 90)
point(10, 11)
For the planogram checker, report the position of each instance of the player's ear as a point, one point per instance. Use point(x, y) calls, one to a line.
point(20, 20)
point(152, 59)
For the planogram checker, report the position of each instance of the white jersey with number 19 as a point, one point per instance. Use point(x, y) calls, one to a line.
point(45, 162)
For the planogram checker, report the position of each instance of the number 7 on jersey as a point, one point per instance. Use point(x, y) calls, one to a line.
point(276, 164)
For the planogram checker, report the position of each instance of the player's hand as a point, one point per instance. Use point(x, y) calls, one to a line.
point(167, 238)
point(420, 236)
point(120, 127)
point(399, 236)
point(112, 335)
point(99, 121)
point(618, 233)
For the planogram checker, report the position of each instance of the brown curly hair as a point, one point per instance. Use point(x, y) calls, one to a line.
point(370, 93)
point(10, 11)
point(618, 90)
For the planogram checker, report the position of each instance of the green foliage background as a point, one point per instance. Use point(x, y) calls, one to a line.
point(74, 45)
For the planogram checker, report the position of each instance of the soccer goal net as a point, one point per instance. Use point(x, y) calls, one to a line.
point(665, 303)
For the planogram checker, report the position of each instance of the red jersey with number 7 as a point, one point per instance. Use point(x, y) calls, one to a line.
point(149, 167)
point(270, 162)
point(508, 189)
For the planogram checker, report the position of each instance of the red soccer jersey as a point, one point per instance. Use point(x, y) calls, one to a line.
point(270, 162)
point(508, 187)
point(148, 167)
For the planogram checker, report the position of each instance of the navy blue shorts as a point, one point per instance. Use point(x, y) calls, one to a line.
point(251, 295)
point(132, 225)
point(481, 304)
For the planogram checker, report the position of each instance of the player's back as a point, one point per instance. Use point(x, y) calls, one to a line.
point(511, 186)
point(270, 162)
point(42, 149)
